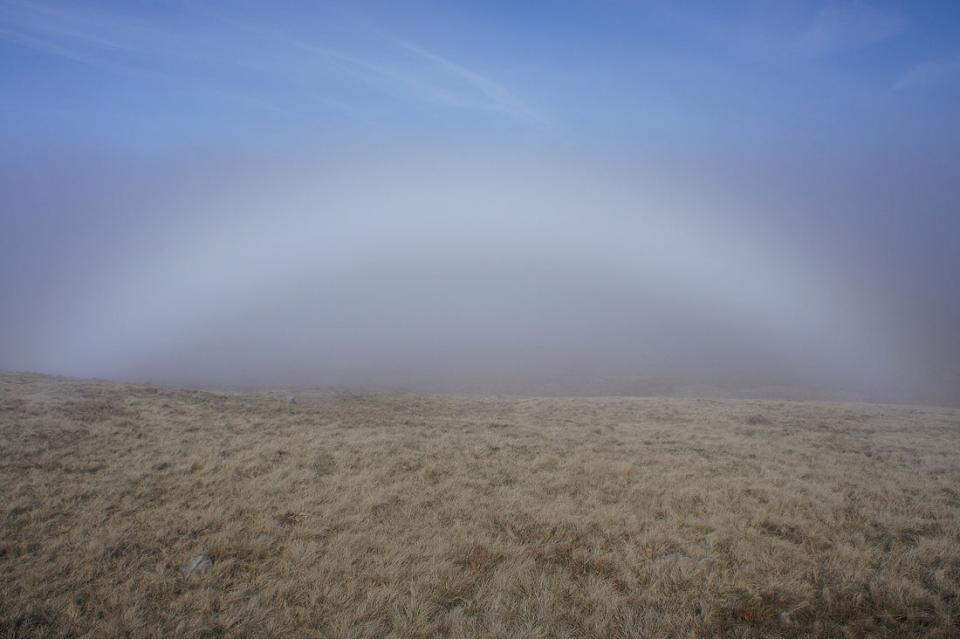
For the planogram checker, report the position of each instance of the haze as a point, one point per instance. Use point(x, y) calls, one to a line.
point(585, 198)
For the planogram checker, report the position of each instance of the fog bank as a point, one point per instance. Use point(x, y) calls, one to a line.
point(489, 271)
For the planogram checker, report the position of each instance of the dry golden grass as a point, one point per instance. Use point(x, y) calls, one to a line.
point(399, 515)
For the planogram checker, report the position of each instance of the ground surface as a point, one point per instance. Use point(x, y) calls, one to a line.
point(401, 515)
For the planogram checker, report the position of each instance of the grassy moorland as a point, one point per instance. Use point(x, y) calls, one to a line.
point(400, 515)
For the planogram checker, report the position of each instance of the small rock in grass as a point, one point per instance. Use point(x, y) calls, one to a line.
point(196, 565)
point(671, 557)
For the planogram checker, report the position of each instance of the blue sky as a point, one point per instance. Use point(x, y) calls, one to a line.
point(665, 76)
point(509, 196)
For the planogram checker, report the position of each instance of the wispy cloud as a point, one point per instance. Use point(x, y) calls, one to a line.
point(215, 56)
point(846, 25)
point(392, 78)
point(108, 43)
point(43, 45)
point(426, 76)
point(930, 74)
point(495, 96)
point(68, 30)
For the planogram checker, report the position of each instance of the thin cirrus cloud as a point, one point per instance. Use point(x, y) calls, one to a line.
point(209, 55)
point(496, 96)
point(843, 26)
point(82, 36)
point(933, 73)
point(437, 80)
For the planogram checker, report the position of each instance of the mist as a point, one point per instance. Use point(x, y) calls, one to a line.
point(429, 269)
